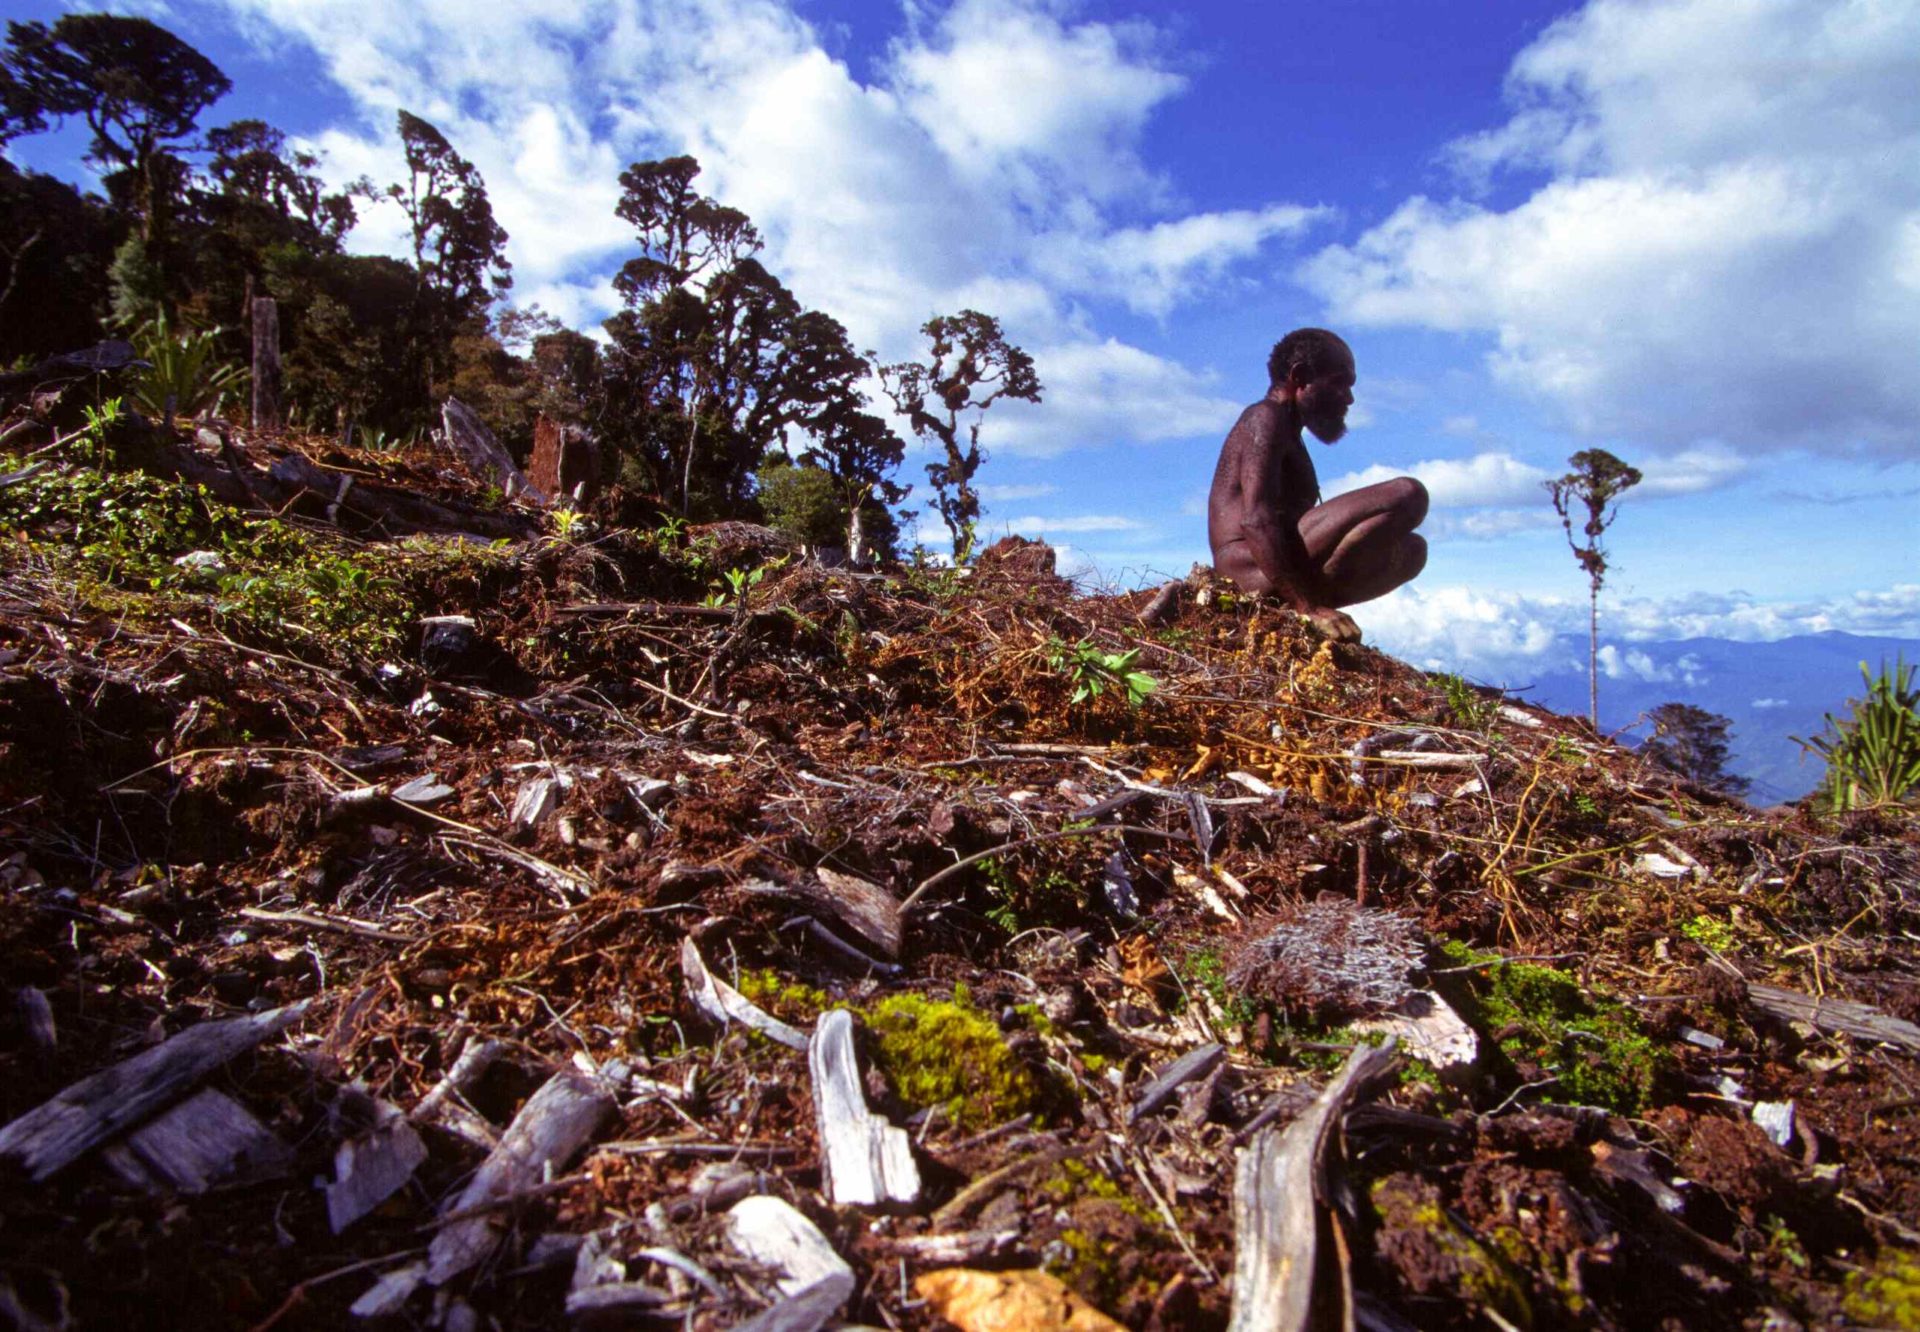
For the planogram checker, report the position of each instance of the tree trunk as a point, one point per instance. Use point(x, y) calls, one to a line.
point(266, 364)
point(1593, 656)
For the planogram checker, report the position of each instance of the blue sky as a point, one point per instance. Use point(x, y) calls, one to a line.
point(1687, 231)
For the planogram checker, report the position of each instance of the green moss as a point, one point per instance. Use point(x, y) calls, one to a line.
point(781, 996)
point(950, 1054)
point(1887, 1295)
point(1709, 933)
point(1592, 1047)
point(1482, 1273)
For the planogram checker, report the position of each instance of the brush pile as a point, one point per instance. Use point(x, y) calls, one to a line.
point(450, 916)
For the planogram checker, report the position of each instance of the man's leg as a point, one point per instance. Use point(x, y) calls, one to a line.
point(1364, 541)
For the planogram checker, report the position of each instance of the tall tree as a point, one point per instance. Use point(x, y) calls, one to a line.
point(459, 250)
point(259, 182)
point(140, 88)
point(1595, 484)
point(970, 366)
point(1692, 742)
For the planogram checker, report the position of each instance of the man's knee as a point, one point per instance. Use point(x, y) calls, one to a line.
point(1408, 499)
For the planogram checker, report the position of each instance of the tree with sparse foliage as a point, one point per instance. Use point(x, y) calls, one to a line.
point(1595, 484)
point(139, 88)
point(1693, 742)
point(970, 366)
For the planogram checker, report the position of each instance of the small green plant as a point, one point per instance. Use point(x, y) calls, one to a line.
point(1713, 935)
point(569, 525)
point(736, 587)
point(1473, 712)
point(99, 421)
point(1094, 672)
point(1586, 805)
point(1873, 756)
point(186, 373)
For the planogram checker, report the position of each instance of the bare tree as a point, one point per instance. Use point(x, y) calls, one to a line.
point(1595, 484)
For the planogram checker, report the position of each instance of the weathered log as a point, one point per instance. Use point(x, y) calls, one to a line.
point(1278, 1187)
point(207, 1139)
point(400, 512)
point(1841, 1015)
point(60, 1131)
point(720, 1003)
point(266, 364)
point(867, 1161)
point(554, 1124)
point(468, 436)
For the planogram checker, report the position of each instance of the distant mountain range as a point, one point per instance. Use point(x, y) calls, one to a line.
point(1769, 691)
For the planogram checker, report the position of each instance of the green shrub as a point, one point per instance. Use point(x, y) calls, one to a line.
point(1873, 756)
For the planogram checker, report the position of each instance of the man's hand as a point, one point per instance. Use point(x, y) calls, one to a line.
point(1335, 624)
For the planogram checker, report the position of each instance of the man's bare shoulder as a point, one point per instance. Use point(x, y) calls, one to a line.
point(1258, 423)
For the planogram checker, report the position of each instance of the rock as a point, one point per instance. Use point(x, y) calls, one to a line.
point(449, 644)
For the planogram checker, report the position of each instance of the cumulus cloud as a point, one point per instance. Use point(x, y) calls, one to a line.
point(1727, 242)
point(1085, 522)
point(1767, 704)
point(1013, 494)
point(1508, 635)
point(991, 159)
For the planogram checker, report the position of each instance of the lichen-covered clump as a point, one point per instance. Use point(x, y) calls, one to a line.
point(950, 1054)
point(1547, 1027)
point(1886, 1295)
point(1431, 1254)
point(1328, 960)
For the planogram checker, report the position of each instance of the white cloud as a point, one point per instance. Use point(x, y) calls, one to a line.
point(1507, 635)
point(992, 160)
point(1728, 247)
point(1086, 522)
point(1012, 494)
point(1766, 704)
point(1153, 269)
point(1484, 480)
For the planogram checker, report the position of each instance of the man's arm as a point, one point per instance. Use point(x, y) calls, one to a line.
point(1273, 539)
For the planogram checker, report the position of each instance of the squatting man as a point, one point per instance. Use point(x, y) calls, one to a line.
point(1269, 531)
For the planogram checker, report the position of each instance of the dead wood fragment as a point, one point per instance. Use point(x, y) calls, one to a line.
point(616, 1303)
point(1164, 606)
point(58, 1132)
point(389, 1295)
point(1189, 1067)
point(207, 1139)
point(1278, 1188)
point(372, 1167)
point(469, 437)
point(444, 1105)
point(867, 1161)
point(775, 1234)
point(1429, 1030)
point(36, 1015)
point(720, 1003)
point(1841, 1015)
point(337, 924)
point(865, 908)
point(957, 1248)
point(554, 1124)
point(808, 1311)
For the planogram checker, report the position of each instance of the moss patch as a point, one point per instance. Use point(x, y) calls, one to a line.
point(950, 1054)
point(1431, 1253)
point(1888, 1295)
point(1547, 1027)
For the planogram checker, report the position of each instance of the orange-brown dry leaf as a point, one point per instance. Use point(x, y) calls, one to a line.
point(1140, 964)
point(1025, 1301)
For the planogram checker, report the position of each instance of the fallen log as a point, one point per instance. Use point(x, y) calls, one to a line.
point(1857, 1020)
point(52, 1136)
point(1279, 1187)
point(206, 1140)
point(554, 1124)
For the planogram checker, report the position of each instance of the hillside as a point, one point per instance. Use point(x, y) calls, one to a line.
point(1770, 691)
point(409, 829)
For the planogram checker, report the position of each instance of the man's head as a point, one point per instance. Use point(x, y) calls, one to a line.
point(1315, 369)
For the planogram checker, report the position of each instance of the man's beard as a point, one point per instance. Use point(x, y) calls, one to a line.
point(1328, 430)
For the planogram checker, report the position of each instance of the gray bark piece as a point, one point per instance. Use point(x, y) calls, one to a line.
point(1196, 1063)
point(470, 438)
point(867, 909)
point(616, 1304)
point(809, 1311)
point(207, 1139)
point(720, 1003)
point(1841, 1015)
point(1278, 1186)
point(774, 1233)
point(60, 1131)
point(390, 1293)
point(372, 1167)
point(554, 1124)
point(426, 790)
point(36, 1015)
point(868, 1162)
